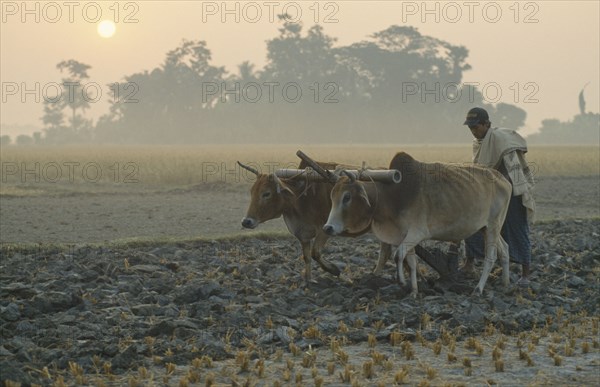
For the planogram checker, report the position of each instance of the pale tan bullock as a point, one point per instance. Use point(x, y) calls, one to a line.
point(445, 202)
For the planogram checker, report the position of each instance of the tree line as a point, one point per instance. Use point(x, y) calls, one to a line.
point(396, 86)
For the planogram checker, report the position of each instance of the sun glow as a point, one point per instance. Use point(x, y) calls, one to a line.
point(106, 28)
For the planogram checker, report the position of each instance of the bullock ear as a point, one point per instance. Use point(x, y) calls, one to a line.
point(282, 188)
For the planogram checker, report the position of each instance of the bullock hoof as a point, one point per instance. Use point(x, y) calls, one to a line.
point(399, 281)
point(376, 271)
point(477, 292)
point(308, 283)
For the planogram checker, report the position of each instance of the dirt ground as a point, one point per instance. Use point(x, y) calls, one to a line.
point(205, 211)
point(236, 311)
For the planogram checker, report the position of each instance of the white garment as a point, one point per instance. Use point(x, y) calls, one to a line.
point(506, 146)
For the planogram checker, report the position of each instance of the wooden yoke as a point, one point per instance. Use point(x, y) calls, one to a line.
point(317, 173)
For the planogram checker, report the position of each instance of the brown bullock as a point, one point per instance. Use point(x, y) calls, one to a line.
point(304, 206)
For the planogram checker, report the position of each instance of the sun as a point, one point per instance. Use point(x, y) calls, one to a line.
point(106, 28)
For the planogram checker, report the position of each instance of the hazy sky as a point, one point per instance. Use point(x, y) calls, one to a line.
point(536, 54)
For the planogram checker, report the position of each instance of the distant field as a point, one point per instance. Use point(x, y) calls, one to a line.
point(43, 170)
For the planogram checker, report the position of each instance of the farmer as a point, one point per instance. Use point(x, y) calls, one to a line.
point(504, 150)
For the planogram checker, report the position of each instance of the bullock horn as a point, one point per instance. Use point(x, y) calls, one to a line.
point(253, 170)
point(313, 164)
point(350, 176)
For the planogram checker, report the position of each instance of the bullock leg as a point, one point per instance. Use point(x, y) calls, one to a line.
point(307, 263)
point(399, 259)
point(492, 238)
point(403, 251)
point(412, 262)
point(318, 244)
point(385, 251)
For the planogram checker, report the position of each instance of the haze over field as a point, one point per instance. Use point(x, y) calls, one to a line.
point(347, 71)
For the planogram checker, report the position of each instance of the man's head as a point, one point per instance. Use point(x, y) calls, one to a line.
point(478, 122)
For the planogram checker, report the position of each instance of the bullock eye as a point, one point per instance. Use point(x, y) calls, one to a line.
point(266, 195)
point(346, 198)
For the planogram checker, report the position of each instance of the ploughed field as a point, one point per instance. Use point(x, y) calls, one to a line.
point(185, 297)
point(237, 310)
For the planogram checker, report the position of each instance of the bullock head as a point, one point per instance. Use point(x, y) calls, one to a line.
point(269, 196)
point(351, 210)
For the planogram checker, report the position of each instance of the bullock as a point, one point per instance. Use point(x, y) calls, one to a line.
point(445, 202)
point(305, 206)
